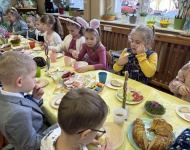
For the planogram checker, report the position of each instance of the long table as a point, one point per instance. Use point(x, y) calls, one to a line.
point(136, 111)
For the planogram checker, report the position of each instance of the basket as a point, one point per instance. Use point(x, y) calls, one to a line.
point(164, 24)
point(108, 17)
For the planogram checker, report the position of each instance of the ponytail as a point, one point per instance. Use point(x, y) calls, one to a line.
point(57, 27)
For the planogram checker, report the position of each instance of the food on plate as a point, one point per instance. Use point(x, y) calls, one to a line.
point(126, 54)
point(96, 86)
point(132, 96)
point(68, 74)
point(161, 129)
point(116, 83)
point(58, 101)
point(184, 110)
point(154, 108)
point(40, 61)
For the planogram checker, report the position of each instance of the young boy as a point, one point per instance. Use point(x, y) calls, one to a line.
point(81, 116)
point(21, 118)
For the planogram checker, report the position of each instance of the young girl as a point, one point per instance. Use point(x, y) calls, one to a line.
point(53, 29)
point(95, 51)
point(180, 86)
point(72, 43)
point(2, 22)
point(15, 25)
point(78, 104)
point(32, 32)
point(139, 60)
point(40, 36)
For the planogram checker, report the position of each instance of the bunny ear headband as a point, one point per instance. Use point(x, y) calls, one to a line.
point(67, 19)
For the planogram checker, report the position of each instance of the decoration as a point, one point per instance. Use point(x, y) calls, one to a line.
point(125, 89)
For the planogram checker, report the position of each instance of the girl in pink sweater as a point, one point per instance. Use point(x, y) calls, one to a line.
point(180, 86)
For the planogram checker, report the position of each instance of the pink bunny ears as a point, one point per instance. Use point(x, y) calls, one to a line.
point(67, 19)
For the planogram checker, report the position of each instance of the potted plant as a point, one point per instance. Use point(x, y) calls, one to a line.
point(124, 17)
point(142, 17)
point(179, 20)
point(133, 18)
point(108, 17)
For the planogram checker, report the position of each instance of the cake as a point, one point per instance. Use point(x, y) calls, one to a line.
point(161, 129)
point(154, 108)
point(40, 61)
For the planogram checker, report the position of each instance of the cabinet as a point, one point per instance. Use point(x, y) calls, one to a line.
point(23, 10)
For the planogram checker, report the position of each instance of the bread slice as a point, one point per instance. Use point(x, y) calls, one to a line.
point(184, 110)
point(116, 83)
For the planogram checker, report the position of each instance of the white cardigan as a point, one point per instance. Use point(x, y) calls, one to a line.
point(66, 43)
point(54, 40)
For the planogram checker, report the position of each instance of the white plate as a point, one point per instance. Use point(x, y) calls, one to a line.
point(54, 99)
point(185, 116)
point(108, 84)
point(80, 63)
point(127, 102)
point(179, 131)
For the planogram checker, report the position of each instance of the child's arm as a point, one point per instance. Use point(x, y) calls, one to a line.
point(178, 82)
point(102, 59)
point(118, 66)
point(20, 127)
point(81, 54)
point(148, 66)
point(23, 27)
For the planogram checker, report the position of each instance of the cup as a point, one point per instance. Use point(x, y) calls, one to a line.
point(76, 66)
point(67, 61)
point(38, 72)
point(119, 115)
point(53, 57)
point(61, 10)
point(102, 77)
point(32, 44)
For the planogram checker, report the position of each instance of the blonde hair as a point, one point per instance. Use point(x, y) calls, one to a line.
point(15, 64)
point(33, 19)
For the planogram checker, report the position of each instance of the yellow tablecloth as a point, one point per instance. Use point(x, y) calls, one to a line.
point(136, 111)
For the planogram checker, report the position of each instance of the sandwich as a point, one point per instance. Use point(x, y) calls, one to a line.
point(116, 83)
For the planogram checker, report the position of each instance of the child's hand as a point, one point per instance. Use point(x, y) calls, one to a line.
point(141, 49)
point(184, 90)
point(106, 146)
point(122, 60)
point(75, 54)
point(37, 92)
point(82, 69)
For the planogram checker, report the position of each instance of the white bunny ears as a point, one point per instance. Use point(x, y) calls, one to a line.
point(67, 19)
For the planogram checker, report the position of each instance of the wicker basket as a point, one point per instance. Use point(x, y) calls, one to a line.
point(108, 17)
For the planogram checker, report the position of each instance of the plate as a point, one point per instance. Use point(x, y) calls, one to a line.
point(80, 63)
point(54, 99)
point(37, 49)
point(112, 130)
point(108, 84)
point(185, 116)
point(127, 102)
point(59, 55)
point(150, 135)
point(42, 82)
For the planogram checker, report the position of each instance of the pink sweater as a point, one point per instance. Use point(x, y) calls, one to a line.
point(183, 78)
point(97, 58)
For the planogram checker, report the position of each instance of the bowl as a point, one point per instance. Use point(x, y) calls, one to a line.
point(164, 24)
point(154, 109)
point(108, 17)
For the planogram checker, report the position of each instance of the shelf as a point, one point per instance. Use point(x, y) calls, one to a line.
point(26, 9)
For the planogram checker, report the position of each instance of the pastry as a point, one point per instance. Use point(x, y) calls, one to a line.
point(184, 110)
point(126, 54)
point(116, 83)
point(40, 61)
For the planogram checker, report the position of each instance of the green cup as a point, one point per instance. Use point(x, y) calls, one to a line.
point(38, 72)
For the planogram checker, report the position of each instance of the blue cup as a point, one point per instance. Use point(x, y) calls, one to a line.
point(102, 77)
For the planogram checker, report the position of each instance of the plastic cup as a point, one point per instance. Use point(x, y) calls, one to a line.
point(102, 77)
point(119, 115)
point(53, 57)
point(76, 66)
point(38, 72)
point(67, 61)
point(32, 44)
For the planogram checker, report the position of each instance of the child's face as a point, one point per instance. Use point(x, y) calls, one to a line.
point(90, 39)
point(29, 22)
point(11, 17)
point(73, 30)
point(38, 26)
point(28, 82)
point(136, 40)
point(46, 27)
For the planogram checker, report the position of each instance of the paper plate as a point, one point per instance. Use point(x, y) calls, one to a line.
point(81, 63)
point(55, 99)
point(42, 82)
point(115, 134)
point(108, 84)
point(185, 116)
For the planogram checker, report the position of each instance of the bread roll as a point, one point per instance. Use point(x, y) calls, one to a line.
point(184, 110)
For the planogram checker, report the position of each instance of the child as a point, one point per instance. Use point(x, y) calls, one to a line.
point(139, 60)
point(180, 86)
point(72, 43)
point(95, 51)
point(32, 32)
point(40, 36)
point(53, 27)
point(2, 22)
point(81, 116)
point(16, 26)
point(21, 118)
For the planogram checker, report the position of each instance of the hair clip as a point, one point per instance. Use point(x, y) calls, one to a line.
point(67, 19)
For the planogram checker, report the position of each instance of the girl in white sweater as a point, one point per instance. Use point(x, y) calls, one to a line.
point(72, 43)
